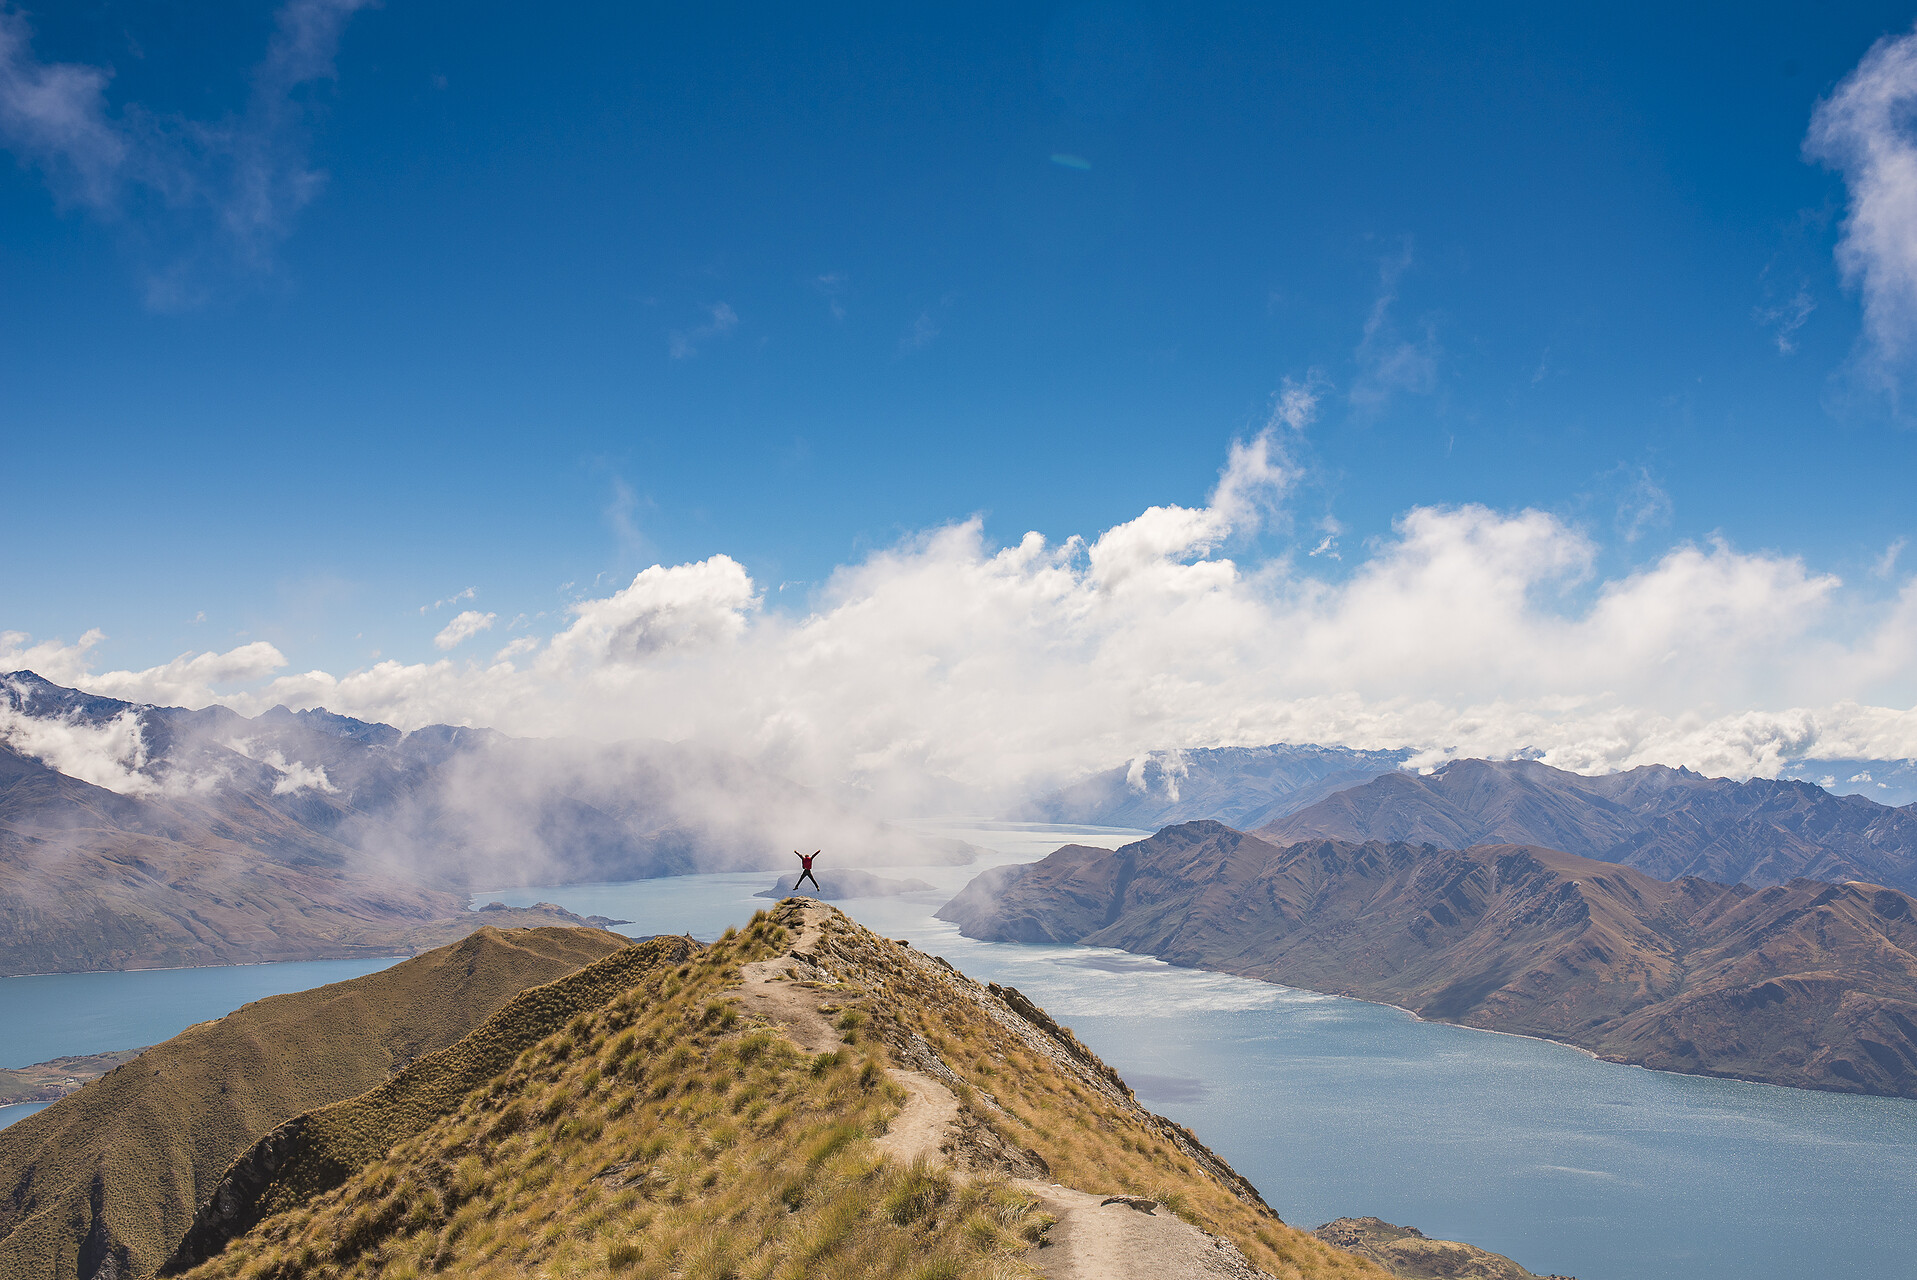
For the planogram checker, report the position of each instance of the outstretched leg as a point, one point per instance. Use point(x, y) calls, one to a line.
point(804, 876)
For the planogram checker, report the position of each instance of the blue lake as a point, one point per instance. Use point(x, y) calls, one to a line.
point(57, 1015)
point(1332, 1107)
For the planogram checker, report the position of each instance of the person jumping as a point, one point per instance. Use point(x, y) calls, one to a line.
point(805, 871)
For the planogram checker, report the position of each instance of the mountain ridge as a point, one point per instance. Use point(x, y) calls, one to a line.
point(1667, 822)
point(1809, 984)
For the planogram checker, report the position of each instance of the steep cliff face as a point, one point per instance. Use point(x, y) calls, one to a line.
point(1807, 984)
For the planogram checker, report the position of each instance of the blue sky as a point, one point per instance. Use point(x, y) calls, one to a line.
point(524, 302)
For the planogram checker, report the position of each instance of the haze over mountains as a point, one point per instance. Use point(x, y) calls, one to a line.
point(1807, 984)
point(1243, 787)
point(138, 836)
point(1667, 822)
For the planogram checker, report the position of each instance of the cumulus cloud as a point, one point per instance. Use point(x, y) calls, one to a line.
point(463, 627)
point(188, 191)
point(686, 606)
point(192, 679)
point(1864, 130)
point(1463, 631)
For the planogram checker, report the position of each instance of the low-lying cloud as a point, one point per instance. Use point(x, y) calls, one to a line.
point(950, 670)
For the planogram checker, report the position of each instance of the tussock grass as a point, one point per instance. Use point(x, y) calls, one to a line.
point(657, 1136)
point(158, 1132)
point(1041, 1090)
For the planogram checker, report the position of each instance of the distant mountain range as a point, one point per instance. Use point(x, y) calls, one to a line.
point(1805, 983)
point(136, 836)
point(1669, 823)
point(1244, 787)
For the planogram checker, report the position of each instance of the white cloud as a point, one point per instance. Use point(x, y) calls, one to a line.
point(296, 777)
point(1296, 404)
point(662, 611)
point(1864, 130)
point(463, 627)
point(1645, 504)
point(1463, 631)
point(109, 754)
point(922, 333)
point(200, 189)
point(454, 598)
point(517, 648)
point(1388, 362)
point(1887, 563)
point(1785, 318)
point(683, 344)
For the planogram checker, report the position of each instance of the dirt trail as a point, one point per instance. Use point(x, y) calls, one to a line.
point(1092, 1240)
point(770, 989)
point(925, 1126)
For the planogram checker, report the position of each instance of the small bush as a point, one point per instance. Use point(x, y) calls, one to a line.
point(918, 1193)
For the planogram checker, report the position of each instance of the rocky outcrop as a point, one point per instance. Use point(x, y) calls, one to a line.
point(1406, 1252)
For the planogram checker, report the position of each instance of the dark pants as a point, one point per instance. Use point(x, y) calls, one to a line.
point(804, 876)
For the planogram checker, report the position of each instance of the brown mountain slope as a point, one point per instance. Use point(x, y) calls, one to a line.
point(1805, 984)
point(110, 1175)
point(90, 879)
point(1669, 823)
point(215, 838)
point(802, 1099)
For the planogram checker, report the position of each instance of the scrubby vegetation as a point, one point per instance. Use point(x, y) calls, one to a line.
point(658, 1135)
point(1032, 1085)
point(663, 1129)
point(111, 1175)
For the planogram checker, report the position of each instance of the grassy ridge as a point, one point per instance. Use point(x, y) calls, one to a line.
point(662, 1134)
point(115, 1171)
point(317, 1151)
point(1032, 1085)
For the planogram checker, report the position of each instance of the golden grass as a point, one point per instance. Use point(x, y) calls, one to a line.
point(665, 1134)
point(118, 1168)
point(1032, 1091)
point(659, 1135)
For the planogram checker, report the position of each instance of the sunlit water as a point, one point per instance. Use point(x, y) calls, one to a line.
point(1331, 1106)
